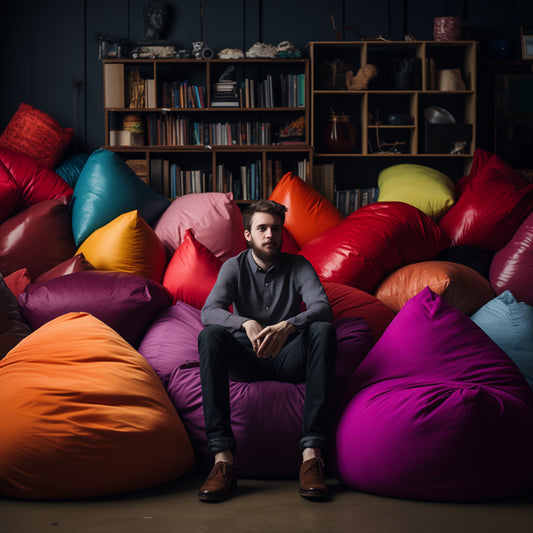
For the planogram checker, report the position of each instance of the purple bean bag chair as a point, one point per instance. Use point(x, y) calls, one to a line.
point(125, 302)
point(512, 267)
point(266, 415)
point(439, 412)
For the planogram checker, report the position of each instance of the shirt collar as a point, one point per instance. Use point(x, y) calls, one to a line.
point(256, 268)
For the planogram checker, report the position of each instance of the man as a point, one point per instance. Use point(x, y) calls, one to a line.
point(266, 337)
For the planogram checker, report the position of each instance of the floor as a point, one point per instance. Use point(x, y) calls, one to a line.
point(263, 505)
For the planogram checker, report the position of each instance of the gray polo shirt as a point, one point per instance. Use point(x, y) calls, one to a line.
point(266, 296)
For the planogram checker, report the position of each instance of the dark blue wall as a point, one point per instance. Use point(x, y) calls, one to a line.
point(49, 52)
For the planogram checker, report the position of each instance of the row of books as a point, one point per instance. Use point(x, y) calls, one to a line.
point(349, 200)
point(249, 181)
point(176, 130)
point(180, 94)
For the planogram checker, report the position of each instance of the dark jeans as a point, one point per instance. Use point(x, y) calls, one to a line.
point(308, 357)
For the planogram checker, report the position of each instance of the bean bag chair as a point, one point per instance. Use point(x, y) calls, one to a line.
point(423, 187)
point(71, 168)
point(512, 267)
point(348, 301)
point(126, 244)
point(107, 188)
point(37, 238)
point(33, 181)
point(470, 256)
point(100, 421)
point(214, 218)
point(266, 415)
point(372, 242)
point(191, 272)
point(308, 212)
point(18, 281)
point(437, 412)
point(510, 325)
point(78, 263)
point(494, 200)
point(36, 134)
point(288, 243)
point(459, 285)
point(125, 302)
point(13, 327)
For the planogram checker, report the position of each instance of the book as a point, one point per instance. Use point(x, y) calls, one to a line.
point(114, 85)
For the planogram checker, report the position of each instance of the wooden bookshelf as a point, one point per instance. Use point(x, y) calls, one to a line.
point(186, 128)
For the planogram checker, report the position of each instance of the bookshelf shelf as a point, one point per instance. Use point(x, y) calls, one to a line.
point(181, 128)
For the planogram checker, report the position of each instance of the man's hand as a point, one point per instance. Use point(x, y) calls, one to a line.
point(253, 328)
point(271, 339)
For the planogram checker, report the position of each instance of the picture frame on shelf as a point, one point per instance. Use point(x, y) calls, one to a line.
point(526, 38)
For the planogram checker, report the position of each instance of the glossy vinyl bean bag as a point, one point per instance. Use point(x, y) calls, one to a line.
point(437, 412)
point(266, 415)
point(494, 199)
point(78, 263)
point(509, 324)
point(191, 272)
point(100, 422)
point(107, 188)
point(126, 244)
point(18, 281)
point(459, 285)
point(25, 182)
point(512, 267)
point(423, 187)
point(214, 218)
point(37, 238)
point(372, 242)
point(348, 301)
point(308, 212)
point(13, 327)
point(71, 168)
point(125, 302)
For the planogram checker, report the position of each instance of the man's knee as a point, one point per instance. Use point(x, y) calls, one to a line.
point(324, 330)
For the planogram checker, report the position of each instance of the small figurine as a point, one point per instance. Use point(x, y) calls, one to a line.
point(154, 14)
point(360, 81)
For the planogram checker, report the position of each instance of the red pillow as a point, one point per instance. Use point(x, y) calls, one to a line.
point(9, 193)
point(494, 201)
point(36, 134)
point(191, 272)
point(18, 281)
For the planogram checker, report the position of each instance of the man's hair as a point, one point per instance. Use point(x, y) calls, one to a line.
point(263, 206)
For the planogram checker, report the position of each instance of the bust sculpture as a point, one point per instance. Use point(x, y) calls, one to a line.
point(155, 14)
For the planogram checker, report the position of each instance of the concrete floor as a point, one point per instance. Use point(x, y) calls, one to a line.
point(260, 506)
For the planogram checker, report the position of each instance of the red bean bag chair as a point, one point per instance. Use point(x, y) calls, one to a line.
point(78, 263)
point(308, 212)
point(34, 182)
point(37, 238)
point(18, 281)
point(348, 301)
point(266, 415)
point(84, 415)
point(436, 411)
point(512, 267)
point(372, 242)
point(494, 199)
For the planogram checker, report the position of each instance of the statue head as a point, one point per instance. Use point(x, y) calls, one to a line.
point(154, 14)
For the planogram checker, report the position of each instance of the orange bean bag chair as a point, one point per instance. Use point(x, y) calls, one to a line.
point(83, 414)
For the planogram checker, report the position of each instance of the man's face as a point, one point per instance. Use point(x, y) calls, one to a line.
point(265, 236)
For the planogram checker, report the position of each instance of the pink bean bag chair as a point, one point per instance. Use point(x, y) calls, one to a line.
point(437, 411)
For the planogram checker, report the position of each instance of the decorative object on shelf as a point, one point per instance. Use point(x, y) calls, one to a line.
point(404, 73)
point(262, 50)
point(398, 119)
point(360, 81)
point(448, 29)
point(153, 51)
point(394, 147)
point(133, 122)
point(287, 50)
point(450, 80)
point(526, 38)
point(230, 53)
point(201, 51)
point(136, 85)
point(111, 46)
point(338, 32)
point(339, 134)
point(294, 133)
point(438, 115)
point(332, 74)
point(154, 15)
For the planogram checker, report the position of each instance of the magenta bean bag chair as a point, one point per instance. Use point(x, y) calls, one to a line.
point(266, 416)
point(493, 200)
point(372, 242)
point(438, 412)
point(37, 238)
point(214, 218)
point(125, 302)
point(512, 267)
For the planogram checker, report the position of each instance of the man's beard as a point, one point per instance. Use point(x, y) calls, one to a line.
point(268, 255)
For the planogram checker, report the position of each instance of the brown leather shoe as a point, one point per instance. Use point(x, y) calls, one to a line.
point(219, 483)
point(312, 480)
